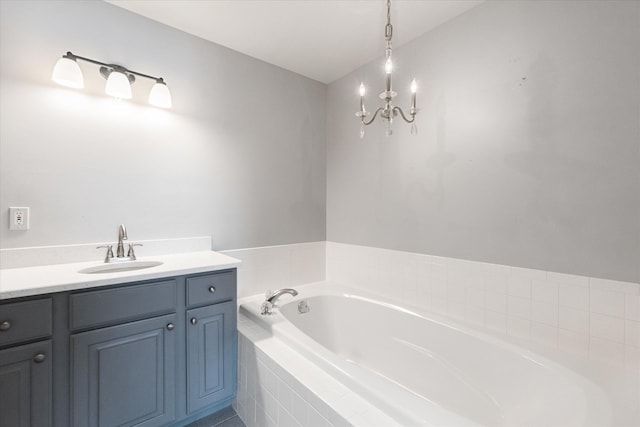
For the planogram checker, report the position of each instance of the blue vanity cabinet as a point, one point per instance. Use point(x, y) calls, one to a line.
point(125, 375)
point(123, 370)
point(211, 339)
point(154, 353)
point(26, 363)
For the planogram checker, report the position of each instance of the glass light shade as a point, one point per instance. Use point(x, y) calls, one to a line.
point(67, 73)
point(160, 96)
point(118, 85)
point(414, 86)
point(362, 90)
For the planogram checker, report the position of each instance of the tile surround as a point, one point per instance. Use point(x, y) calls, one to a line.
point(275, 267)
point(278, 387)
point(586, 316)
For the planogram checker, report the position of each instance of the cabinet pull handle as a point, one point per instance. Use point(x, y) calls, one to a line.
point(212, 289)
point(194, 320)
point(39, 358)
point(5, 326)
point(170, 326)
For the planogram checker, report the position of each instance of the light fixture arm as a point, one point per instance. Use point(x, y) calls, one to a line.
point(412, 114)
point(120, 68)
point(367, 123)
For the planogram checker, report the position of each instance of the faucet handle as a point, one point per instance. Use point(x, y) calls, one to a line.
point(265, 308)
point(130, 252)
point(109, 255)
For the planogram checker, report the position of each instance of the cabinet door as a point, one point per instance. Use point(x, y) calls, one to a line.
point(211, 355)
point(125, 375)
point(25, 385)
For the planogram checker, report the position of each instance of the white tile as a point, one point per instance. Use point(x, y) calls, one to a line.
point(285, 419)
point(632, 357)
point(573, 342)
point(270, 405)
point(606, 327)
point(496, 322)
point(632, 333)
point(544, 334)
point(475, 298)
point(285, 396)
point(614, 286)
point(456, 293)
point(609, 303)
point(528, 273)
point(261, 415)
point(520, 287)
point(519, 307)
point(300, 409)
point(496, 283)
point(574, 296)
point(475, 316)
point(496, 302)
point(519, 328)
point(456, 310)
point(574, 320)
point(315, 419)
point(632, 307)
point(606, 351)
point(568, 279)
point(544, 291)
point(545, 313)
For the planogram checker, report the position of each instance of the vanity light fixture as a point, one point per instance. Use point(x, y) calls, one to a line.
point(389, 111)
point(119, 79)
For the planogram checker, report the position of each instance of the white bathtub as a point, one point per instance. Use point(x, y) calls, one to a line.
point(421, 369)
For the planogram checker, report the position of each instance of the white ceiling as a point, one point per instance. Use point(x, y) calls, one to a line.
point(320, 39)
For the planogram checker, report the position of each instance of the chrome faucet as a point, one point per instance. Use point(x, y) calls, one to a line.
point(271, 297)
point(122, 235)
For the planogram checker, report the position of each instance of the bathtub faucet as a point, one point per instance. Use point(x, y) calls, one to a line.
point(271, 297)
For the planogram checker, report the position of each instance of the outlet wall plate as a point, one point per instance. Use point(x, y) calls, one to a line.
point(19, 218)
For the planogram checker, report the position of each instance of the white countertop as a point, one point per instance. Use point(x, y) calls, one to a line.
point(28, 281)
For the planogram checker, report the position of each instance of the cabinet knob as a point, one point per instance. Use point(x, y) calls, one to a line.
point(194, 320)
point(212, 289)
point(5, 326)
point(170, 326)
point(39, 358)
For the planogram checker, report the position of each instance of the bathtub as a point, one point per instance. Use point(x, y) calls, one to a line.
point(422, 369)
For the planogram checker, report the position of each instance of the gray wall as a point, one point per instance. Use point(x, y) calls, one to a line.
point(240, 157)
point(528, 150)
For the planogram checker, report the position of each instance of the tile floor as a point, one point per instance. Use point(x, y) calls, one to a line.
point(226, 417)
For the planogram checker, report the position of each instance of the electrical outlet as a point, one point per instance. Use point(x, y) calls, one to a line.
point(18, 218)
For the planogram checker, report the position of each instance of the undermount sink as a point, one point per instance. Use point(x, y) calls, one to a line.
point(119, 267)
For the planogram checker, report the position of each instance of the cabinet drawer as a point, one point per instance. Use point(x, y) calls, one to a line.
point(24, 321)
point(131, 302)
point(211, 288)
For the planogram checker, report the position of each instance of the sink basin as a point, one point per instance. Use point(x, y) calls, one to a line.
point(119, 267)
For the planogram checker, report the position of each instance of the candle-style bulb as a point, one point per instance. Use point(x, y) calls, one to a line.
point(362, 89)
point(414, 86)
point(388, 65)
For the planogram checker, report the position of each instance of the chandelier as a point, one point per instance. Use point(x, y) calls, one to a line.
point(389, 111)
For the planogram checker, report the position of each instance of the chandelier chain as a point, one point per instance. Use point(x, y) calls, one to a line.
point(388, 29)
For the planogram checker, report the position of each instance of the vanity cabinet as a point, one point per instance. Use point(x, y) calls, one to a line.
point(150, 354)
point(211, 339)
point(25, 366)
point(125, 375)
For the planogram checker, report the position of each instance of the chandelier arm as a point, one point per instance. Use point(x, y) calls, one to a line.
point(367, 123)
point(399, 110)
